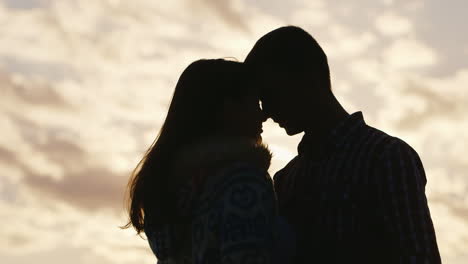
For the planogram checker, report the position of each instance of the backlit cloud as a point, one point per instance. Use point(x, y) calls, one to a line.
point(85, 87)
point(393, 25)
point(407, 53)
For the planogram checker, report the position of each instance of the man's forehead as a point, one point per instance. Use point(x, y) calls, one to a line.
point(271, 79)
point(271, 72)
point(267, 69)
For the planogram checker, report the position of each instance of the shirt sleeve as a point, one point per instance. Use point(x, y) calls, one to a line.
point(247, 215)
point(406, 216)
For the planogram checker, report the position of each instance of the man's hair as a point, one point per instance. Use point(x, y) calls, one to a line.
point(290, 49)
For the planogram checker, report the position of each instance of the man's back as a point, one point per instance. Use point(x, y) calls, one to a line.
point(358, 200)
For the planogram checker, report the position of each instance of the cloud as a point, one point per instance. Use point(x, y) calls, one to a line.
point(429, 98)
point(428, 106)
point(45, 229)
point(311, 14)
point(43, 69)
point(86, 84)
point(26, 4)
point(345, 43)
point(367, 70)
point(58, 167)
point(17, 89)
point(392, 24)
point(28, 228)
point(228, 10)
point(90, 188)
point(405, 53)
point(451, 244)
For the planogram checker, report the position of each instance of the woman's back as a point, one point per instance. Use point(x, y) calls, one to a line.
point(233, 220)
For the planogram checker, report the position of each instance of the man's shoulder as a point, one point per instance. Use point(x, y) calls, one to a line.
point(387, 141)
point(376, 133)
point(390, 148)
point(378, 140)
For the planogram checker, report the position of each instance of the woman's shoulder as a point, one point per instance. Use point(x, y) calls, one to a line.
point(236, 173)
point(214, 161)
point(210, 154)
point(213, 165)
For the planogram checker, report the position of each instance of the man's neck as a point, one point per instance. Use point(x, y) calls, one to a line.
point(321, 128)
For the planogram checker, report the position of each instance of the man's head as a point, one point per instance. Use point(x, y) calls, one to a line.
point(292, 71)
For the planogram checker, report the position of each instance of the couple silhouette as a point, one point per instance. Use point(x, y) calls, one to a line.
point(202, 193)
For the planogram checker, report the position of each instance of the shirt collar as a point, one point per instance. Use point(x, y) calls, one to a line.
point(337, 136)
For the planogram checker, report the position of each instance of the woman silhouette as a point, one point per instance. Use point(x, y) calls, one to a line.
point(202, 193)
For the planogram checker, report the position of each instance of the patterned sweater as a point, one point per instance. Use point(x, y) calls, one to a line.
point(233, 215)
point(234, 218)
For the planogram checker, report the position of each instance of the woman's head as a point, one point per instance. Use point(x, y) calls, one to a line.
point(213, 98)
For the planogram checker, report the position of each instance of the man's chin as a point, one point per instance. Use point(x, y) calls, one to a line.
point(292, 131)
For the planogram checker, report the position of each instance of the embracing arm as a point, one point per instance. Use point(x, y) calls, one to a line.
point(407, 220)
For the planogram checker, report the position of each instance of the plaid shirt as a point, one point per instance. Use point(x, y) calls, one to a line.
point(357, 197)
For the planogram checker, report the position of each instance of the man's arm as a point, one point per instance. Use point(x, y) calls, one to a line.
point(406, 215)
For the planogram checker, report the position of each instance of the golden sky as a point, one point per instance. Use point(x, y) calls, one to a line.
point(84, 87)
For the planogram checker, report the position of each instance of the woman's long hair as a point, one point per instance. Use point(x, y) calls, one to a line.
point(194, 113)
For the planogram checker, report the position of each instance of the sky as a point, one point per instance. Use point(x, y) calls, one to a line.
point(85, 86)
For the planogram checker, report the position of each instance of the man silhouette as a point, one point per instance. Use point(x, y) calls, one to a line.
point(353, 194)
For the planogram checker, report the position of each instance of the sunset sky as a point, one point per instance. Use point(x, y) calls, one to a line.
point(85, 85)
